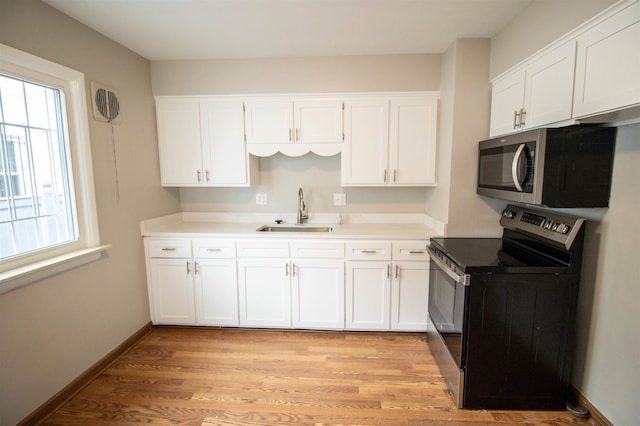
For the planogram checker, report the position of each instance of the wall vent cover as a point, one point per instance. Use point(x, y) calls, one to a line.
point(106, 103)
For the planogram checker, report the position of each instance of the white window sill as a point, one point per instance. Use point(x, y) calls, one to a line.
point(25, 275)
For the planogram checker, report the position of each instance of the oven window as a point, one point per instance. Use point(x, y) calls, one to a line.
point(446, 308)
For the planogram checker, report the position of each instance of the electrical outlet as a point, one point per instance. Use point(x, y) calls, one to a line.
point(261, 199)
point(339, 199)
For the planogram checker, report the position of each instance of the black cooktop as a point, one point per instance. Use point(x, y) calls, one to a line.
point(491, 255)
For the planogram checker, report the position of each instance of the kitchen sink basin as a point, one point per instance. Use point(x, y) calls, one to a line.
point(294, 228)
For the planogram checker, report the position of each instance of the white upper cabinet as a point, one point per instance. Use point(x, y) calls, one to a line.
point(539, 93)
point(293, 127)
point(412, 145)
point(593, 70)
point(365, 154)
point(179, 143)
point(201, 142)
point(608, 63)
point(224, 155)
point(390, 141)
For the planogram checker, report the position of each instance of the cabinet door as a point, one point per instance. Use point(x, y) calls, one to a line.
point(549, 88)
point(608, 64)
point(507, 97)
point(216, 292)
point(368, 295)
point(269, 121)
point(365, 153)
point(410, 296)
point(179, 143)
point(318, 121)
point(412, 145)
point(264, 292)
point(172, 291)
point(318, 293)
point(225, 157)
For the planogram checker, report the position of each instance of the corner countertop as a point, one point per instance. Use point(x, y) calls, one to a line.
point(245, 225)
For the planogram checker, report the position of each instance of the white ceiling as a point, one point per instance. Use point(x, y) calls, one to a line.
point(208, 29)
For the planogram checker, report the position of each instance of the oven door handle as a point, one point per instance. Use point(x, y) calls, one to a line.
point(462, 279)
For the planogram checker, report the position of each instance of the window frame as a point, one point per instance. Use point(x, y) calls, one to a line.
point(28, 268)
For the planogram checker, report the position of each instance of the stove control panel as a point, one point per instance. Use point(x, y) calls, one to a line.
point(541, 223)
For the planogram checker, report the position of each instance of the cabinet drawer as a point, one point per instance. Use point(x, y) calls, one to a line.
point(262, 248)
point(368, 250)
point(317, 249)
point(168, 247)
point(214, 248)
point(410, 250)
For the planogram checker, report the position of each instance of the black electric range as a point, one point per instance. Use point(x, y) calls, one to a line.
point(502, 311)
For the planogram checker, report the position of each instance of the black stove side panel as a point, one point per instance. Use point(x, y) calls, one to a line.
point(520, 340)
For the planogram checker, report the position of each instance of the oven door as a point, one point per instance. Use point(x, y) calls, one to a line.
point(447, 295)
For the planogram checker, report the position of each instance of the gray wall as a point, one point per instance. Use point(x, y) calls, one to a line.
point(607, 350)
point(53, 330)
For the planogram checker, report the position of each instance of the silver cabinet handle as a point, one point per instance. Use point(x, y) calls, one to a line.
point(416, 251)
point(168, 249)
point(206, 175)
point(397, 271)
point(516, 116)
point(297, 134)
point(395, 175)
point(214, 249)
point(195, 268)
point(369, 251)
point(286, 270)
point(523, 113)
point(385, 176)
point(290, 134)
point(199, 173)
point(388, 271)
point(293, 269)
point(188, 267)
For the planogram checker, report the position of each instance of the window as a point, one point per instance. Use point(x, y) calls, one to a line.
point(47, 204)
point(36, 197)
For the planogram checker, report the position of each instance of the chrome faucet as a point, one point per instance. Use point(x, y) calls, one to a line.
point(302, 208)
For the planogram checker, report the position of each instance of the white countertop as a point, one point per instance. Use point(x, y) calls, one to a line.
point(245, 225)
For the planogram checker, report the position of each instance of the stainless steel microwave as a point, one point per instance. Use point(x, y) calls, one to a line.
point(563, 167)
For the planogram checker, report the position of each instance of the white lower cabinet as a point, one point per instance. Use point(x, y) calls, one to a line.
point(409, 296)
point(368, 295)
point(265, 293)
point(279, 291)
point(410, 286)
point(387, 285)
point(172, 294)
point(318, 293)
point(280, 283)
point(368, 283)
point(198, 289)
point(171, 288)
point(216, 294)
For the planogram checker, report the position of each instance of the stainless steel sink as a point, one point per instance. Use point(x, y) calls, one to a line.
point(294, 228)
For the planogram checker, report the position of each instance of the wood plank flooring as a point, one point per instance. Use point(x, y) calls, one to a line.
point(207, 377)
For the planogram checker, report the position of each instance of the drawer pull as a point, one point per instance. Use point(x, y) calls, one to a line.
point(213, 250)
point(369, 251)
point(168, 249)
point(416, 251)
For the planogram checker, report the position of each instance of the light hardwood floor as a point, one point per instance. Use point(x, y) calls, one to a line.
point(206, 377)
